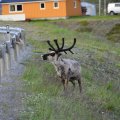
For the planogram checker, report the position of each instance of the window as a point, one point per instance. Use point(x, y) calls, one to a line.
point(75, 4)
point(12, 8)
point(19, 7)
point(56, 5)
point(117, 5)
point(42, 5)
point(16, 8)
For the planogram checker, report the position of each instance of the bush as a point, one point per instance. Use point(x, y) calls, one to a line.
point(114, 34)
point(84, 23)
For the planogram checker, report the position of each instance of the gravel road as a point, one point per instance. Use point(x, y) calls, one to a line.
point(11, 90)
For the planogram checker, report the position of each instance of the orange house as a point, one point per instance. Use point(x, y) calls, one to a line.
point(41, 9)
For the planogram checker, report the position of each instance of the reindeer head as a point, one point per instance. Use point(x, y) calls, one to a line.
point(55, 53)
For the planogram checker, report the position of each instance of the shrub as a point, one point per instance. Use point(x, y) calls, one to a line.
point(84, 23)
point(114, 34)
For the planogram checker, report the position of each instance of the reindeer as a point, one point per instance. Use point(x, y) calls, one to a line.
point(67, 69)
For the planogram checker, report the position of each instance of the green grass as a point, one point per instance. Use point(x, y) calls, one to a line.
point(46, 99)
point(94, 18)
point(104, 97)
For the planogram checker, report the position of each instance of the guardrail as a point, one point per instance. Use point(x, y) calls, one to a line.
point(11, 47)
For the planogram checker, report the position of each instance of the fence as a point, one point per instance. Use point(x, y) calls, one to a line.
point(11, 47)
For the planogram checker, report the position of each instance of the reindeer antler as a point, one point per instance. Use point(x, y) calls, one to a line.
point(52, 48)
point(60, 49)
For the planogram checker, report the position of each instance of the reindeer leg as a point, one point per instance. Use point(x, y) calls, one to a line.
point(73, 82)
point(65, 83)
point(80, 86)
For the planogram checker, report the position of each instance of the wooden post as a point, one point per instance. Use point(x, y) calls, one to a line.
point(8, 55)
point(17, 50)
point(22, 40)
point(18, 45)
point(21, 46)
point(14, 48)
point(2, 61)
point(1, 69)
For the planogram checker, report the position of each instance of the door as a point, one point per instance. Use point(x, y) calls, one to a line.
point(117, 8)
point(88, 10)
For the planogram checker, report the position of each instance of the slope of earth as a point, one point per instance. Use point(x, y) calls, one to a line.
point(99, 59)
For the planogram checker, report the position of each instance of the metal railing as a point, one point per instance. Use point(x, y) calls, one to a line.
point(11, 47)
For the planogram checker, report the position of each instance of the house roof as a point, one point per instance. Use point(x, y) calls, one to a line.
point(12, 1)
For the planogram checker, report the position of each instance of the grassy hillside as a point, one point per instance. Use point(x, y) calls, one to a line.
point(100, 62)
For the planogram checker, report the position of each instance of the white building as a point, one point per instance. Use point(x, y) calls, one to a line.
point(91, 8)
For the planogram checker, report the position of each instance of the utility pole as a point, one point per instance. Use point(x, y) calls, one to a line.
point(99, 7)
